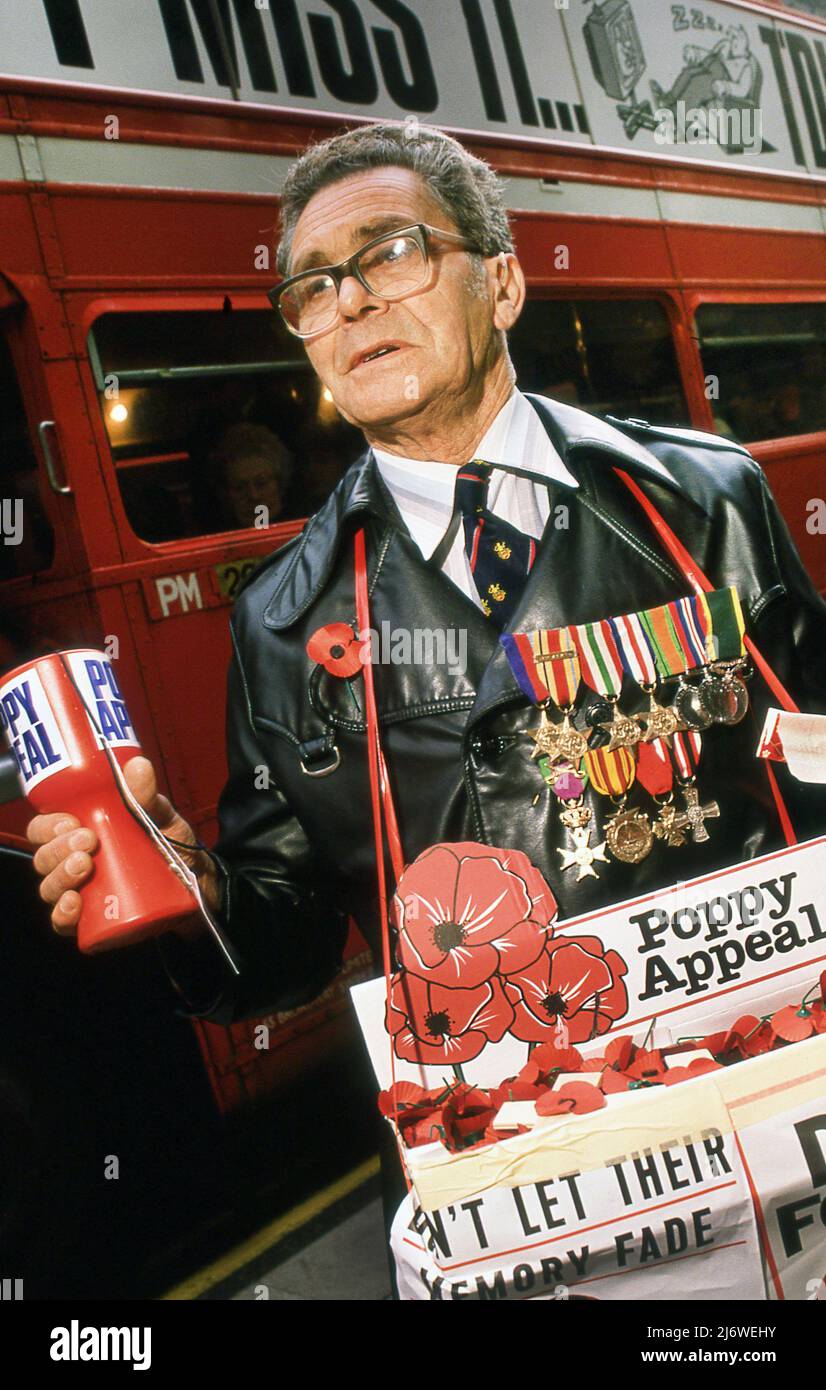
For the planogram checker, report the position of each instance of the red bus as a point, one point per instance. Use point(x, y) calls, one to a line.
point(666, 168)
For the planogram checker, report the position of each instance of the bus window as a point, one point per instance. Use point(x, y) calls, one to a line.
point(27, 537)
point(769, 361)
point(212, 416)
point(609, 356)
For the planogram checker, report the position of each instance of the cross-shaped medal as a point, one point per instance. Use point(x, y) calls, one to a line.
point(582, 855)
point(697, 814)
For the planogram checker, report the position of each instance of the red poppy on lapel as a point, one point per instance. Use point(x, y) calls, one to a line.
point(336, 647)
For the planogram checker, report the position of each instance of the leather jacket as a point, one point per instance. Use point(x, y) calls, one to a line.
point(296, 850)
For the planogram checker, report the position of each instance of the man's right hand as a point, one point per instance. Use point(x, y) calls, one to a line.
point(64, 848)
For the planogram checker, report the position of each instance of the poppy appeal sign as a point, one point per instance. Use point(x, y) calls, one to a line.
point(486, 970)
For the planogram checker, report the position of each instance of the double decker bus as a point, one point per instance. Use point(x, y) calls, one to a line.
point(665, 165)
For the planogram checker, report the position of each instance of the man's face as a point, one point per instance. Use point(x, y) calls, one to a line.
point(442, 338)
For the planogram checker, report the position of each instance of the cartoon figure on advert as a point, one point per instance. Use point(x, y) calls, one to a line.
point(727, 74)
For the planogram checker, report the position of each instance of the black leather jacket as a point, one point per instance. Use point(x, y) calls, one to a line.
point(297, 855)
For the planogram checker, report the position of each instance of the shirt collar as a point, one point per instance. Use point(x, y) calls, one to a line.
point(423, 489)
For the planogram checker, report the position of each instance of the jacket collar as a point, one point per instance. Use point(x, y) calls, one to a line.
point(361, 493)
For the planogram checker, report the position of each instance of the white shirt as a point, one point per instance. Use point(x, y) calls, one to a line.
point(424, 490)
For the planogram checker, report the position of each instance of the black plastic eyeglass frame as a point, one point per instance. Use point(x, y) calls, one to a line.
point(419, 231)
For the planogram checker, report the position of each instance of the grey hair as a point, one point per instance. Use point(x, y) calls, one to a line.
point(466, 188)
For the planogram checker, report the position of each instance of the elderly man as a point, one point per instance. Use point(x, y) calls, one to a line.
point(487, 513)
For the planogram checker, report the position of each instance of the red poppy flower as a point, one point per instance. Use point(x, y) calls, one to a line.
point(620, 1052)
point(612, 1082)
point(576, 982)
point(577, 1097)
point(433, 1025)
point(405, 1096)
point(466, 1115)
point(548, 1057)
point(466, 912)
point(514, 1089)
point(793, 1025)
point(647, 1066)
point(698, 1067)
point(336, 647)
point(760, 1040)
point(731, 1041)
point(819, 1016)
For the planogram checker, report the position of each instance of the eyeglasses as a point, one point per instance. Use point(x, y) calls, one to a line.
point(391, 266)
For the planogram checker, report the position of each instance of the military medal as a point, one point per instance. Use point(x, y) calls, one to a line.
point(628, 832)
point(546, 666)
point(671, 824)
point(658, 721)
point(727, 698)
point(601, 668)
point(583, 854)
point(678, 646)
point(557, 741)
point(686, 754)
point(697, 814)
point(725, 695)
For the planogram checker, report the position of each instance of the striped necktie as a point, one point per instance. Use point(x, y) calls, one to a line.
point(500, 556)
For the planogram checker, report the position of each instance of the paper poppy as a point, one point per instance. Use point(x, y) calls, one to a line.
point(646, 1066)
point(760, 1040)
point(466, 912)
point(793, 1025)
point(466, 1115)
point(577, 1097)
point(548, 1057)
point(613, 1082)
point(514, 1089)
point(336, 647)
point(574, 981)
point(433, 1025)
point(730, 1042)
point(619, 1052)
point(698, 1067)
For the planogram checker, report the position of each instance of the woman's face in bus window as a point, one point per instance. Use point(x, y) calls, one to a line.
point(252, 481)
point(442, 337)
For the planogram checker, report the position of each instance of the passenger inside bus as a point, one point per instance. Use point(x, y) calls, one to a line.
point(248, 477)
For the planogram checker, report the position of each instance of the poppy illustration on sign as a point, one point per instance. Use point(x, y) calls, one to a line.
point(478, 958)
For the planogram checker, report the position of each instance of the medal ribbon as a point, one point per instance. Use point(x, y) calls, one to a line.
point(727, 623)
point(654, 770)
point(634, 649)
point(561, 672)
point(670, 653)
point(611, 773)
point(519, 652)
point(599, 658)
point(685, 750)
point(687, 624)
point(545, 664)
